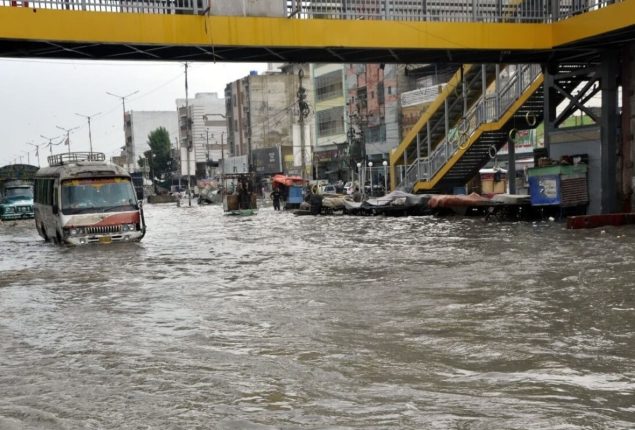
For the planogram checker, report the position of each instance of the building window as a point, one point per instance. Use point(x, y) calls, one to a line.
point(377, 134)
point(380, 93)
point(362, 100)
point(330, 121)
point(328, 86)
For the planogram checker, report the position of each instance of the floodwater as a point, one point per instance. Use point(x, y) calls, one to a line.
point(285, 322)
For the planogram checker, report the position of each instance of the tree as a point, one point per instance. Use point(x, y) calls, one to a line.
point(159, 156)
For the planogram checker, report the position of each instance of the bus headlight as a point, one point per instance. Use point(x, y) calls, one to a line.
point(77, 231)
point(129, 227)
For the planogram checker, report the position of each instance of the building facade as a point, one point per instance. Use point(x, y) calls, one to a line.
point(137, 126)
point(262, 114)
point(204, 112)
point(331, 155)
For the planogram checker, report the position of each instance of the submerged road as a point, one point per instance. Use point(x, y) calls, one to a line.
point(284, 322)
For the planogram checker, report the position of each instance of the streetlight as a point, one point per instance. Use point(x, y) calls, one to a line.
point(50, 139)
point(37, 152)
point(90, 137)
point(207, 166)
point(123, 100)
point(129, 150)
point(68, 137)
point(360, 179)
point(385, 163)
point(370, 171)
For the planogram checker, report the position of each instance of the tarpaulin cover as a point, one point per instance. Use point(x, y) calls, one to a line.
point(288, 180)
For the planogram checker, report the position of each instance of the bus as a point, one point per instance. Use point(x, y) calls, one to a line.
point(81, 199)
point(16, 201)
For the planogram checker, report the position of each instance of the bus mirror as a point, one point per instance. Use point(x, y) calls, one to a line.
point(55, 209)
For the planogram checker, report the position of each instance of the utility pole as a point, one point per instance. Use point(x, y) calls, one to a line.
point(90, 137)
point(188, 132)
point(303, 109)
point(68, 136)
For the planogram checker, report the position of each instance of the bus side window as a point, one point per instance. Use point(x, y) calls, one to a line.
point(36, 194)
point(55, 201)
point(49, 192)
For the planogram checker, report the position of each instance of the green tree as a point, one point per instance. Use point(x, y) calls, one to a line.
point(159, 156)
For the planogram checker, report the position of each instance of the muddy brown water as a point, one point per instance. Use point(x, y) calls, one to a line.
point(284, 322)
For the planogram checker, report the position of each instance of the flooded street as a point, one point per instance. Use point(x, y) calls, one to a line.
point(282, 322)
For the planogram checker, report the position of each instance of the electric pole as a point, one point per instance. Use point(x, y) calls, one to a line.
point(303, 109)
point(188, 131)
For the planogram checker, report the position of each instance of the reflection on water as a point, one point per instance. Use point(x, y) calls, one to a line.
point(276, 321)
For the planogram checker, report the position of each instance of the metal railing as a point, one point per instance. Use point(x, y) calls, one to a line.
point(483, 111)
point(444, 10)
point(393, 10)
point(172, 7)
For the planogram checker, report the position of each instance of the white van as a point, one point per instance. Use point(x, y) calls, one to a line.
point(80, 199)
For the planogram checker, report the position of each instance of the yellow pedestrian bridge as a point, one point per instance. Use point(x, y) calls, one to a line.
point(347, 31)
point(497, 45)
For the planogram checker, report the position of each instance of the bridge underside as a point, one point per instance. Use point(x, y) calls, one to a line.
point(130, 36)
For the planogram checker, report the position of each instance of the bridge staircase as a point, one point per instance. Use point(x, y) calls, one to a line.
point(463, 89)
point(475, 139)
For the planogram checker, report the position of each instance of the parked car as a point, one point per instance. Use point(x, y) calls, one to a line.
point(328, 189)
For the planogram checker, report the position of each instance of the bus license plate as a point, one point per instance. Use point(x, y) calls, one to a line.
point(105, 239)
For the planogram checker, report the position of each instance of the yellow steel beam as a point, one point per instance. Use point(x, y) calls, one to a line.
point(490, 126)
point(155, 29)
point(586, 25)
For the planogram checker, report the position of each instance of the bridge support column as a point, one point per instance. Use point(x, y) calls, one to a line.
point(628, 125)
point(609, 74)
point(549, 70)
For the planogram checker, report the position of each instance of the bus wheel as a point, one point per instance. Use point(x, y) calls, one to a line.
point(58, 238)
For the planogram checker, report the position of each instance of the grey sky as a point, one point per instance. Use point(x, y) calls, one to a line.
point(38, 95)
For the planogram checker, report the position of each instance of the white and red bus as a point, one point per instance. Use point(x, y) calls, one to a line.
point(81, 199)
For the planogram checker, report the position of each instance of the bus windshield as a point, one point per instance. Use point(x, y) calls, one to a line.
point(97, 195)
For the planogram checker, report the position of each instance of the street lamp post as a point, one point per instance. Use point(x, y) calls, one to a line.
point(37, 152)
point(129, 153)
point(123, 99)
point(68, 135)
point(207, 166)
point(370, 171)
point(50, 144)
point(360, 179)
point(90, 136)
point(385, 163)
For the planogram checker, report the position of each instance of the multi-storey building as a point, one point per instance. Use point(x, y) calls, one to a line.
point(331, 153)
point(262, 114)
point(200, 110)
point(138, 125)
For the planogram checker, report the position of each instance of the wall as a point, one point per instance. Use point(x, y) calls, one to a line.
point(144, 122)
point(582, 140)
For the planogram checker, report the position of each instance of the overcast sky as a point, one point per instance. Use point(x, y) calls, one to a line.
point(36, 96)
